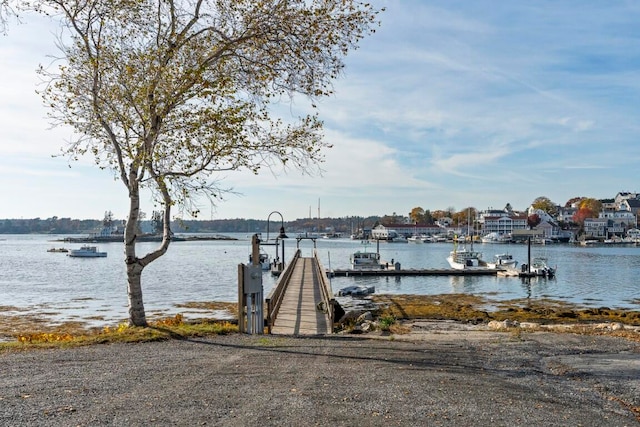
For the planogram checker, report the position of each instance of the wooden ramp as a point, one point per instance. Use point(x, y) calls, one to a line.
point(299, 313)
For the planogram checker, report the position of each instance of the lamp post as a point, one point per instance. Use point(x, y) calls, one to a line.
point(281, 235)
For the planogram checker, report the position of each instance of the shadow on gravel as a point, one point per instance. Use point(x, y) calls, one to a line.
point(453, 358)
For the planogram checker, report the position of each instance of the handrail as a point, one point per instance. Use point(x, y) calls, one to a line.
point(274, 299)
point(325, 288)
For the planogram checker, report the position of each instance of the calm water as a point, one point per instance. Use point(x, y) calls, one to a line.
point(54, 285)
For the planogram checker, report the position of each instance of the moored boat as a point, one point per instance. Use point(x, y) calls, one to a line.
point(502, 261)
point(495, 237)
point(418, 239)
point(539, 267)
point(86, 252)
point(363, 260)
point(464, 259)
point(264, 260)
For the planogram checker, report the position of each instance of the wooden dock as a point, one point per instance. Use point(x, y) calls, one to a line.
point(414, 272)
point(299, 312)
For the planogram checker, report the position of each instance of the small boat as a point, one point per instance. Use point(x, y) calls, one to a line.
point(539, 267)
point(495, 237)
point(356, 291)
point(418, 239)
point(86, 252)
point(264, 260)
point(502, 261)
point(58, 250)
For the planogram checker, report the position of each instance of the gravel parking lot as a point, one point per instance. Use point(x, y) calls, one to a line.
point(442, 374)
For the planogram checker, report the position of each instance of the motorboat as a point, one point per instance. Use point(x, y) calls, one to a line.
point(502, 261)
point(264, 260)
point(418, 239)
point(365, 261)
point(539, 267)
point(495, 237)
point(86, 252)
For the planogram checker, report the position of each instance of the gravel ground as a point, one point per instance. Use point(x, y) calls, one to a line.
point(443, 374)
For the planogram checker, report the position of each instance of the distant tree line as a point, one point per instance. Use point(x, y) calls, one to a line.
point(52, 225)
point(55, 225)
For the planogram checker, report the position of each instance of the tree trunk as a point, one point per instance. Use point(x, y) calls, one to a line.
point(137, 315)
point(135, 266)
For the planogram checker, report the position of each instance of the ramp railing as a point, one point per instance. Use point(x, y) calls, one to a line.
point(274, 299)
point(328, 301)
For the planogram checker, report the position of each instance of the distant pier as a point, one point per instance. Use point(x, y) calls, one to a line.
point(413, 272)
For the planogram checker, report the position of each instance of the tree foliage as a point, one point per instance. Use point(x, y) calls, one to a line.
point(465, 217)
point(420, 216)
point(169, 93)
point(587, 208)
point(571, 201)
point(416, 215)
point(533, 220)
point(545, 204)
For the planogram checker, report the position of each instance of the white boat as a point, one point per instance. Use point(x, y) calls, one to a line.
point(365, 261)
point(539, 267)
point(264, 260)
point(502, 261)
point(465, 259)
point(418, 239)
point(86, 252)
point(495, 237)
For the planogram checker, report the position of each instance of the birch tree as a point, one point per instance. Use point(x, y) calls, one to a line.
point(169, 93)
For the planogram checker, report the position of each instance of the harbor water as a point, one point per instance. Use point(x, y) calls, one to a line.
point(59, 288)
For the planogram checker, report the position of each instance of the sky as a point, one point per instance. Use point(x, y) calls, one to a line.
point(450, 104)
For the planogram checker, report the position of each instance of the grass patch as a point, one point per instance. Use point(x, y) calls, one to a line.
point(159, 330)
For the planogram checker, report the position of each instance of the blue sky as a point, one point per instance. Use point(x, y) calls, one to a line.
point(450, 104)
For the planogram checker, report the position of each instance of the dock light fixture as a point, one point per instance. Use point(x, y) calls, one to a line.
point(281, 236)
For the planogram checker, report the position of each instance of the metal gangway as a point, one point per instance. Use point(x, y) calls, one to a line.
point(301, 302)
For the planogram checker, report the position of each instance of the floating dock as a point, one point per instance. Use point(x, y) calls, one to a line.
point(413, 272)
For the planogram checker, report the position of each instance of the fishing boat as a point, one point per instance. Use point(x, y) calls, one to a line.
point(464, 259)
point(86, 252)
point(502, 261)
point(363, 260)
